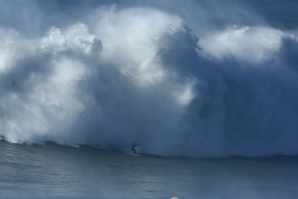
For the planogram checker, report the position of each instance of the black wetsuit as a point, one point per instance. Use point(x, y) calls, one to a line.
point(133, 148)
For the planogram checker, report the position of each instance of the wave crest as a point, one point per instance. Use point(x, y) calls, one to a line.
point(142, 75)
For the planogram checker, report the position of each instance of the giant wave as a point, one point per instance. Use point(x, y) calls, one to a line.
point(143, 75)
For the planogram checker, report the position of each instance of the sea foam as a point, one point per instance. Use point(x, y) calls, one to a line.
point(146, 76)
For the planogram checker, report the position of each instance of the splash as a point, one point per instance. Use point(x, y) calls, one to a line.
point(142, 75)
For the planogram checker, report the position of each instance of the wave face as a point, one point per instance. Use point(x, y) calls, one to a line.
point(115, 76)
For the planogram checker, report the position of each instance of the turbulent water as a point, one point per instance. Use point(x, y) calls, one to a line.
point(180, 78)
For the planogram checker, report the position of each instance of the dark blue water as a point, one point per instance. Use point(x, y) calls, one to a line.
point(53, 171)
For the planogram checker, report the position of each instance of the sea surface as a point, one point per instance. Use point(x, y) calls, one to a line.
point(208, 89)
point(53, 171)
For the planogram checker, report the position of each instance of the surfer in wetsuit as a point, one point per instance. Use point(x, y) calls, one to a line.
point(133, 148)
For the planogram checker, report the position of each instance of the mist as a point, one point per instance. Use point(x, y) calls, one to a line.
point(179, 82)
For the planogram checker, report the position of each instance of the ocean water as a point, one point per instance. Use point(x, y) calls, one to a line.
point(208, 89)
point(54, 171)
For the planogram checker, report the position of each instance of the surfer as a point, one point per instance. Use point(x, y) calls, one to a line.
point(133, 148)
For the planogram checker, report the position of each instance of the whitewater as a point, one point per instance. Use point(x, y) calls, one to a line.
point(175, 82)
point(206, 88)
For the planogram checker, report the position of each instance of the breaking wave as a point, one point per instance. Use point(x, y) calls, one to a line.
point(142, 75)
